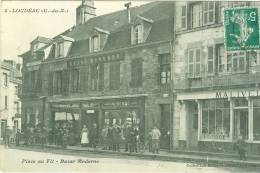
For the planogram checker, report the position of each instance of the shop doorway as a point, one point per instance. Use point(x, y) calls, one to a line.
point(3, 127)
point(192, 126)
point(89, 118)
point(165, 126)
point(240, 123)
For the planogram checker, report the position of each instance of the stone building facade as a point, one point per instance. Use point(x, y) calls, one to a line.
point(10, 104)
point(217, 95)
point(106, 69)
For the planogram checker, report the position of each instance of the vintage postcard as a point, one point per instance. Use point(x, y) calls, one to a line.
point(130, 86)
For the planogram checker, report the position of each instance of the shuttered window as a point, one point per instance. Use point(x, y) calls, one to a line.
point(184, 17)
point(75, 80)
point(194, 63)
point(211, 60)
point(97, 77)
point(208, 12)
point(114, 75)
point(136, 72)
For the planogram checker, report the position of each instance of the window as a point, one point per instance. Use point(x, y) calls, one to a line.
point(97, 77)
point(17, 107)
point(6, 102)
point(59, 49)
point(16, 90)
point(165, 68)
point(114, 75)
point(75, 80)
point(194, 63)
point(238, 3)
point(224, 63)
point(211, 60)
point(238, 61)
point(208, 12)
point(95, 44)
point(254, 58)
point(57, 81)
point(136, 72)
point(5, 79)
point(256, 119)
point(221, 6)
point(196, 15)
point(215, 119)
point(184, 17)
point(240, 121)
point(138, 34)
point(34, 78)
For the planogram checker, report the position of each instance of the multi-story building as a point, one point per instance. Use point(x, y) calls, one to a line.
point(106, 69)
point(217, 92)
point(10, 105)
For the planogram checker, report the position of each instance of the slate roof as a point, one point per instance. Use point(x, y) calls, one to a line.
point(116, 23)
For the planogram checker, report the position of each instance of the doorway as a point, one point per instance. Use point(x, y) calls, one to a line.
point(192, 125)
point(89, 118)
point(165, 126)
point(240, 123)
point(3, 127)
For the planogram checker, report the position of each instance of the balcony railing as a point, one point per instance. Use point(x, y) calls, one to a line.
point(217, 81)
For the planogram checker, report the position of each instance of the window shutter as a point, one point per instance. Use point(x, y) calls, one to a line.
point(132, 35)
point(65, 82)
point(39, 81)
point(83, 80)
point(90, 45)
point(184, 17)
point(50, 82)
point(211, 61)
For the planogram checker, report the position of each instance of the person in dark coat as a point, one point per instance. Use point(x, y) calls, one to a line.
point(94, 136)
point(116, 136)
point(27, 135)
point(240, 146)
point(8, 133)
point(18, 135)
point(127, 137)
point(132, 139)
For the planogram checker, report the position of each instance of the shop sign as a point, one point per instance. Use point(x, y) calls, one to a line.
point(89, 105)
point(238, 93)
point(65, 106)
point(121, 104)
point(241, 29)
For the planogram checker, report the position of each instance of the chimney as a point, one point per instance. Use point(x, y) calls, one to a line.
point(127, 5)
point(85, 11)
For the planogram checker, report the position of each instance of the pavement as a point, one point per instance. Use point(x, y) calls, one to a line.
point(194, 158)
point(37, 159)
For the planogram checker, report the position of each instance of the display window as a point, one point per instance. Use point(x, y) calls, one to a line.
point(215, 119)
point(256, 119)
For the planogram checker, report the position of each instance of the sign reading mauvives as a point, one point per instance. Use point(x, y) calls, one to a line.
point(241, 29)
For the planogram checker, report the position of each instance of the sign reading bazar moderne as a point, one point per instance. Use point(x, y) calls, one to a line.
point(241, 29)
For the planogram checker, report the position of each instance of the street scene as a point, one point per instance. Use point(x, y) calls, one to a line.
point(141, 86)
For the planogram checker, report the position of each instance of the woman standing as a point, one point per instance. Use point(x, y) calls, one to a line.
point(84, 136)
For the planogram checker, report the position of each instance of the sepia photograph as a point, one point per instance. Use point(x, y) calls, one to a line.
point(130, 86)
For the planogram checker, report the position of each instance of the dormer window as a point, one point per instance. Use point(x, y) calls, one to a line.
point(59, 51)
point(95, 43)
point(138, 34)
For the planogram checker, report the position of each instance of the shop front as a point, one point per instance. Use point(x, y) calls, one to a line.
point(102, 112)
point(221, 118)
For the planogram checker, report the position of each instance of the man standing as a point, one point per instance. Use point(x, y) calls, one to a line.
point(18, 137)
point(8, 133)
point(94, 136)
point(155, 136)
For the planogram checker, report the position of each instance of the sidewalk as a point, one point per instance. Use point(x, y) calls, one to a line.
point(192, 158)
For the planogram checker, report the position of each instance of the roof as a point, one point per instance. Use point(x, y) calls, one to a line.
point(42, 40)
point(116, 24)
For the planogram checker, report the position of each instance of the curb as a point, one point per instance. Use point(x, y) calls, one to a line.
point(191, 161)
